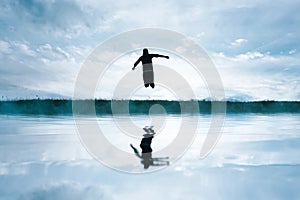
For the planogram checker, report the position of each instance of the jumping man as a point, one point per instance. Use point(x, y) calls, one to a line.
point(146, 59)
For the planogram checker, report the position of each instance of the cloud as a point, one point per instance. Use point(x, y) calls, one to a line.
point(43, 20)
point(37, 70)
point(250, 55)
point(292, 51)
point(50, 52)
point(24, 49)
point(239, 42)
point(4, 47)
point(44, 42)
point(259, 76)
point(51, 15)
point(68, 190)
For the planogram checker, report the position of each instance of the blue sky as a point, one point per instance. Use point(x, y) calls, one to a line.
point(254, 44)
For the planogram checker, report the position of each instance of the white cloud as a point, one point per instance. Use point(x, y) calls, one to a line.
point(50, 52)
point(4, 47)
point(239, 42)
point(24, 48)
point(250, 56)
point(39, 36)
point(80, 52)
point(292, 51)
point(258, 76)
point(38, 71)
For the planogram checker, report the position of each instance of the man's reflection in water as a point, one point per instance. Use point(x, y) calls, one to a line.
point(146, 157)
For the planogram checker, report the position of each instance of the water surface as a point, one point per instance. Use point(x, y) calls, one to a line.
point(257, 157)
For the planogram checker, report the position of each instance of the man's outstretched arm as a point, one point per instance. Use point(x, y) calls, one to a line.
point(136, 63)
point(136, 152)
point(158, 55)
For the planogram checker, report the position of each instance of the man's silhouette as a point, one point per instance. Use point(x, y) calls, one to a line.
point(146, 59)
point(146, 156)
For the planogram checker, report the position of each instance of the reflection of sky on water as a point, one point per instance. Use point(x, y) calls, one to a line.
point(256, 157)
